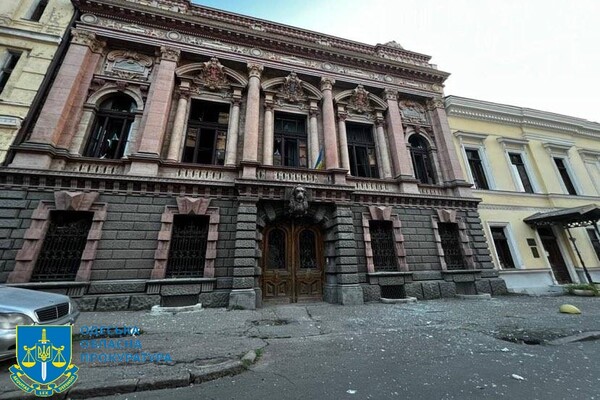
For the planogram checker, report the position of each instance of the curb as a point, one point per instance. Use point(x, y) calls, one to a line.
point(594, 335)
point(195, 375)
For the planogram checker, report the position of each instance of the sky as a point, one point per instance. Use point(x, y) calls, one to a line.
point(539, 54)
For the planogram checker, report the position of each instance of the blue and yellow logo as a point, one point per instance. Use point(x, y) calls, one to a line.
point(44, 360)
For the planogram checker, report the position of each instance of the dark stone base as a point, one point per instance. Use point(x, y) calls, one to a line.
point(435, 289)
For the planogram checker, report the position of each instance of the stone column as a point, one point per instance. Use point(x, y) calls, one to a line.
point(250, 153)
point(383, 149)
point(269, 133)
point(313, 136)
point(178, 134)
point(341, 116)
point(244, 294)
point(233, 129)
point(329, 134)
point(156, 113)
point(401, 160)
point(450, 166)
point(64, 105)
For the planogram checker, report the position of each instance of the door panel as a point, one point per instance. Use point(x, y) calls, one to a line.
point(292, 263)
point(557, 262)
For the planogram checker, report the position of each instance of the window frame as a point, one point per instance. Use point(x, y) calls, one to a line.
point(283, 136)
point(595, 248)
point(216, 127)
point(561, 150)
point(5, 71)
point(34, 14)
point(475, 141)
point(517, 178)
point(373, 171)
point(569, 172)
point(102, 118)
point(428, 161)
point(484, 167)
point(512, 245)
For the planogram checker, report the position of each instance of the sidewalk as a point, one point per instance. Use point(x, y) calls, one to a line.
point(210, 343)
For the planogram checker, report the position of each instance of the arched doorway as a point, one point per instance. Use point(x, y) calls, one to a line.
point(292, 262)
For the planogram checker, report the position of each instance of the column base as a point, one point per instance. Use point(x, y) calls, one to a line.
point(351, 295)
point(347, 295)
point(242, 298)
point(31, 161)
point(143, 168)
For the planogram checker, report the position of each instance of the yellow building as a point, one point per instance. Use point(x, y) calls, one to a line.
point(538, 175)
point(31, 32)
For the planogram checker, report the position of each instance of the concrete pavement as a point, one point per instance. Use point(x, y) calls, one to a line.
point(373, 350)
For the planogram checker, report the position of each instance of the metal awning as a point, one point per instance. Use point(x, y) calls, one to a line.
point(567, 217)
point(570, 218)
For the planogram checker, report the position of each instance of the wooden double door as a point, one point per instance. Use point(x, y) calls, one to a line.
point(292, 267)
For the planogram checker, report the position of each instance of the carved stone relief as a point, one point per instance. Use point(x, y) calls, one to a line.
point(212, 76)
point(413, 112)
point(291, 89)
point(359, 101)
point(128, 64)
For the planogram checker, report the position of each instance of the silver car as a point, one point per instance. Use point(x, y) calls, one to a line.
point(30, 307)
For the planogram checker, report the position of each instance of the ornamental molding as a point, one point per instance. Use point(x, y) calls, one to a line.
point(461, 107)
point(87, 38)
point(169, 53)
point(192, 44)
point(128, 64)
point(212, 75)
point(589, 155)
point(413, 112)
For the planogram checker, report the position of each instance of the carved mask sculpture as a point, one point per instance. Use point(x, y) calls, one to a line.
point(298, 203)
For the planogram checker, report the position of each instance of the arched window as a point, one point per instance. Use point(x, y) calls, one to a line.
point(421, 159)
point(111, 128)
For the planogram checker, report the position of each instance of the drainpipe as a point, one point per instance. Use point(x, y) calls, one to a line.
point(585, 270)
point(42, 93)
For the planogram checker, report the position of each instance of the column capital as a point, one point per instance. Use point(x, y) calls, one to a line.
point(255, 70)
point(313, 112)
point(87, 38)
point(436, 102)
point(341, 116)
point(327, 83)
point(169, 53)
point(390, 94)
point(183, 93)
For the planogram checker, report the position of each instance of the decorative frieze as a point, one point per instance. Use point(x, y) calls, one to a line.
point(291, 60)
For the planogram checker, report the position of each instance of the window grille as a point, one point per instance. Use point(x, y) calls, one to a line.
point(451, 246)
point(383, 246)
point(66, 237)
point(188, 247)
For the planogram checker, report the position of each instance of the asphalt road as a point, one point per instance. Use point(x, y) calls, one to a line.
point(430, 350)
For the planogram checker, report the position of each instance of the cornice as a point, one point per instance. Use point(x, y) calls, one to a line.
point(524, 117)
point(191, 43)
point(30, 35)
point(210, 23)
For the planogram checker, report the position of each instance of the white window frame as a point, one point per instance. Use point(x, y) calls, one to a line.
point(556, 150)
point(591, 161)
point(475, 141)
point(591, 228)
point(519, 146)
point(512, 245)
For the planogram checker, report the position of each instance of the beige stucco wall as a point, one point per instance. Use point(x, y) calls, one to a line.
point(505, 204)
point(37, 42)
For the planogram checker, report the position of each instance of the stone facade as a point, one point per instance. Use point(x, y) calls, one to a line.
point(30, 36)
point(306, 178)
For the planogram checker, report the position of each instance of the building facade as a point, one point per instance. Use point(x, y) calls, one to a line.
point(187, 154)
point(538, 175)
point(31, 32)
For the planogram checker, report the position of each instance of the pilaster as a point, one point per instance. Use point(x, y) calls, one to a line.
point(251, 125)
point(64, 105)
